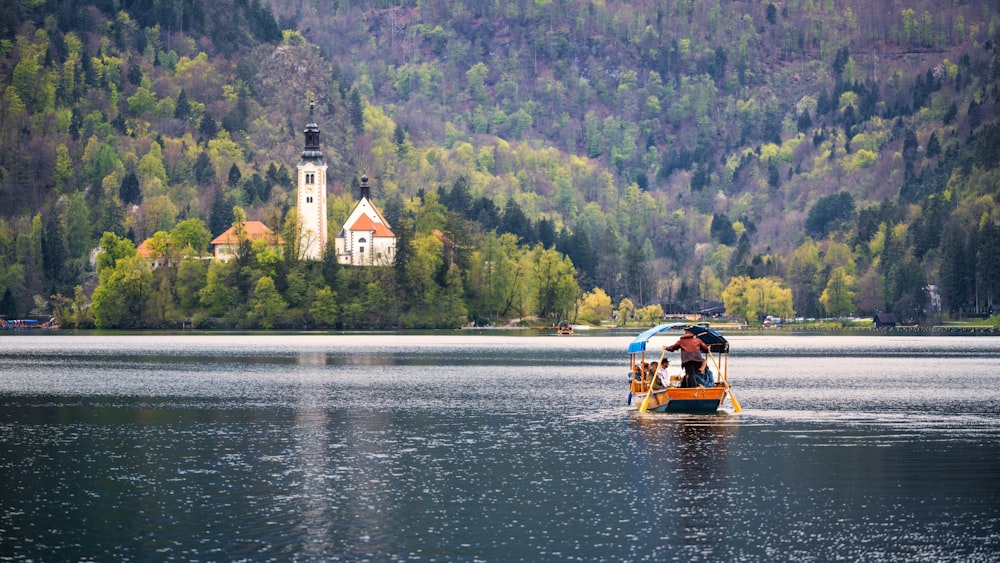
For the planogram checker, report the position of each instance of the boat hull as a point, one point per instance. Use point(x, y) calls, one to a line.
point(683, 399)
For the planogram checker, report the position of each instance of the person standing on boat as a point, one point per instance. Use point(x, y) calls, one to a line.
point(692, 356)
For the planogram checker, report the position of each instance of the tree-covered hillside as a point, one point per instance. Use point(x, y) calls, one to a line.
point(834, 157)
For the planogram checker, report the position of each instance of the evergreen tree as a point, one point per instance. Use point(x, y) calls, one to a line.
point(950, 115)
point(459, 199)
point(773, 176)
point(204, 172)
point(546, 234)
point(700, 179)
point(208, 129)
point(134, 73)
point(330, 266)
point(486, 213)
point(129, 191)
point(356, 110)
point(404, 251)
point(221, 215)
point(516, 222)
point(234, 176)
point(722, 229)
point(236, 120)
point(804, 122)
point(54, 253)
point(182, 110)
point(828, 212)
point(933, 146)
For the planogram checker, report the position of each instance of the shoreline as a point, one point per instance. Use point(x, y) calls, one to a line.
point(936, 330)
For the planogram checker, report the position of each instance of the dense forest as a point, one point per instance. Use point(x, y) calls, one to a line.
point(549, 158)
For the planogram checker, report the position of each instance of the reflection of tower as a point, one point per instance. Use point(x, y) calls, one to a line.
point(312, 194)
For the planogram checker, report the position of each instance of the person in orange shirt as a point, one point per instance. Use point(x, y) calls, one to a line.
point(692, 356)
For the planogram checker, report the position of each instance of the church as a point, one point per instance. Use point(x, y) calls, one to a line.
point(366, 238)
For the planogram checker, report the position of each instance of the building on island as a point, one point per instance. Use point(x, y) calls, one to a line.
point(366, 239)
point(155, 258)
point(312, 194)
point(227, 244)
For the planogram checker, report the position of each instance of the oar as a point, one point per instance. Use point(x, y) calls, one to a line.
point(736, 404)
point(725, 381)
point(631, 374)
point(649, 392)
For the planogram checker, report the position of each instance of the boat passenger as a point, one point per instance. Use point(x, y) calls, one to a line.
point(637, 374)
point(705, 377)
point(692, 358)
point(661, 373)
point(649, 374)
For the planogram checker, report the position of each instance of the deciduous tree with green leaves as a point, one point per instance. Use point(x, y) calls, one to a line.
point(838, 298)
point(121, 298)
point(754, 299)
point(266, 305)
point(593, 307)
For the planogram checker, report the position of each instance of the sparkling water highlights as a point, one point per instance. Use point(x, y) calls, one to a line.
point(462, 447)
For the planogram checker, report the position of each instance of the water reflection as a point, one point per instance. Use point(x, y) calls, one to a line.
point(311, 358)
point(685, 462)
point(375, 447)
point(310, 462)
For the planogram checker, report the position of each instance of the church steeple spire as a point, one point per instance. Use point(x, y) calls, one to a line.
point(312, 194)
point(312, 152)
point(366, 190)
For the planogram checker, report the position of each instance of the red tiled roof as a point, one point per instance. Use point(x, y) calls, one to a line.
point(383, 231)
point(365, 223)
point(144, 251)
point(255, 230)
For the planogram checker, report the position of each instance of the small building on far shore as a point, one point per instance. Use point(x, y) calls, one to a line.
point(153, 258)
point(885, 320)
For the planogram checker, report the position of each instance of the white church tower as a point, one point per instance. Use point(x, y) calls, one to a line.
point(312, 194)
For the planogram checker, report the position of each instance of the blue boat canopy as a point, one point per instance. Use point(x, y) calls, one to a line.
point(712, 339)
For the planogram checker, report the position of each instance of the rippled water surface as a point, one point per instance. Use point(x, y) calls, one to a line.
point(469, 447)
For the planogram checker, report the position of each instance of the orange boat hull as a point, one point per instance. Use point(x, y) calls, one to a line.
point(683, 399)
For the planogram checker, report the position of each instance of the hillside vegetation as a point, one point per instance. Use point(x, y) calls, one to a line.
point(810, 158)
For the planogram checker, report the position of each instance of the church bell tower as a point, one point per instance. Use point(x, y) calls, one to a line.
point(312, 194)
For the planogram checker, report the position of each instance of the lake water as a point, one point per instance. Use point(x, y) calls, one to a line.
point(473, 447)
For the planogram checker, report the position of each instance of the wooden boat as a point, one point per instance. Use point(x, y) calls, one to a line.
point(669, 396)
point(26, 324)
point(565, 328)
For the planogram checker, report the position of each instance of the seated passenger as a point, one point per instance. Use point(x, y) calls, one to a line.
point(661, 372)
point(705, 377)
point(658, 375)
point(637, 378)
